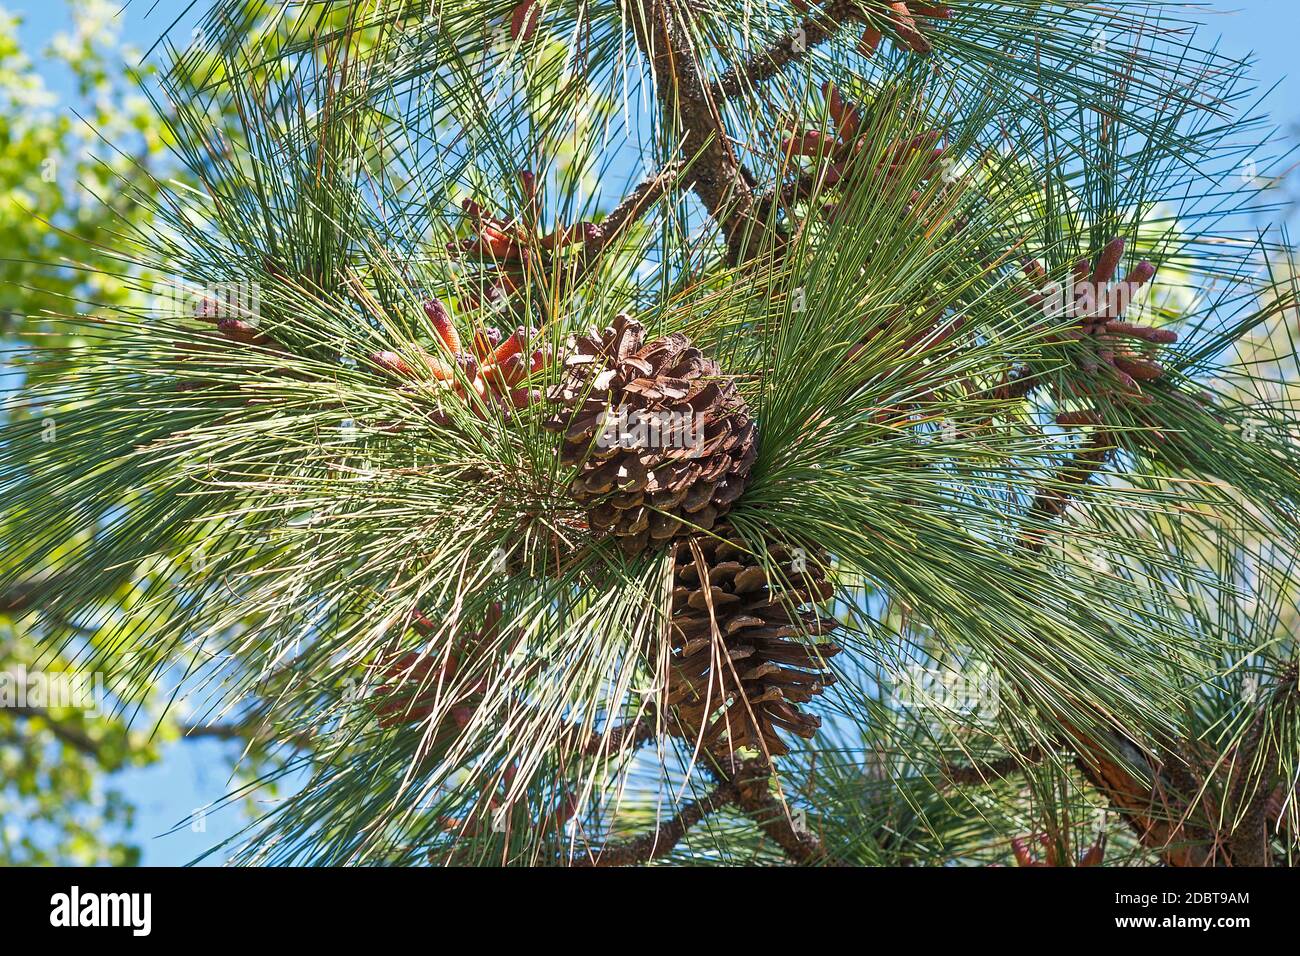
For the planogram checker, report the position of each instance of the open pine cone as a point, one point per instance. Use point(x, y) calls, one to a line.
point(739, 666)
point(663, 443)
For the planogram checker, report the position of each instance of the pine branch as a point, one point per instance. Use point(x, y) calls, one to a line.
point(622, 217)
point(1146, 798)
point(787, 195)
point(981, 774)
point(724, 186)
point(815, 30)
point(1138, 785)
point(85, 744)
point(1153, 792)
point(1164, 804)
point(662, 839)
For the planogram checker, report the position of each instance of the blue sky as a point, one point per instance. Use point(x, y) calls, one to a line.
point(1266, 28)
point(193, 774)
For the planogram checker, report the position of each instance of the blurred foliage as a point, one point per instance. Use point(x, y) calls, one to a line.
point(65, 192)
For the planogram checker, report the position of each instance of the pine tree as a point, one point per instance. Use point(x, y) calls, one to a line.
point(744, 433)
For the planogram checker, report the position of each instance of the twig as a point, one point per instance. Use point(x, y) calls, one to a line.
point(632, 735)
point(715, 172)
point(1053, 500)
point(1139, 789)
point(774, 820)
point(219, 731)
point(1139, 786)
point(786, 195)
point(993, 770)
point(253, 730)
point(23, 595)
point(633, 207)
point(750, 777)
point(69, 735)
point(614, 226)
point(815, 30)
point(662, 839)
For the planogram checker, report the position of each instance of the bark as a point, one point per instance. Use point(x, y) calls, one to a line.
point(815, 30)
point(693, 124)
point(662, 839)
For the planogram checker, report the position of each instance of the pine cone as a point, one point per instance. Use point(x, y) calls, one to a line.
point(739, 666)
point(663, 443)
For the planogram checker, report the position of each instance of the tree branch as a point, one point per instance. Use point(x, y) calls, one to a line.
point(1159, 799)
point(23, 595)
point(1146, 797)
point(85, 744)
point(750, 777)
point(715, 172)
point(1137, 786)
point(991, 771)
point(69, 735)
point(774, 820)
point(815, 30)
point(621, 218)
point(633, 735)
point(662, 839)
point(250, 731)
point(1052, 501)
point(633, 207)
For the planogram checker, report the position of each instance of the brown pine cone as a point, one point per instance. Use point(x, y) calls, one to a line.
point(663, 443)
point(739, 665)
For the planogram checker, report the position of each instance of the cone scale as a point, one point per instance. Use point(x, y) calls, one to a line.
point(662, 442)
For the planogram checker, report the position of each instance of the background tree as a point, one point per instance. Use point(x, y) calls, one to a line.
point(977, 553)
point(60, 211)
